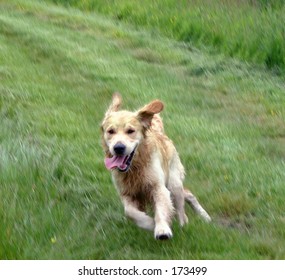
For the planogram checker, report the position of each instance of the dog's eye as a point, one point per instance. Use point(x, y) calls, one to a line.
point(111, 131)
point(130, 131)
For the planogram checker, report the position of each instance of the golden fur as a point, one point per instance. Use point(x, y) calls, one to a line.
point(155, 175)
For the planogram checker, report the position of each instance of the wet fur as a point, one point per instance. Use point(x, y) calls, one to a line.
point(156, 174)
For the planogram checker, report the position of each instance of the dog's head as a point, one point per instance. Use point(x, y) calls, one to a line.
point(123, 131)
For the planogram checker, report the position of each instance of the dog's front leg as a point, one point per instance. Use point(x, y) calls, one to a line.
point(139, 217)
point(163, 213)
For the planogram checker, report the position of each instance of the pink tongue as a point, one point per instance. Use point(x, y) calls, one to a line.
point(115, 161)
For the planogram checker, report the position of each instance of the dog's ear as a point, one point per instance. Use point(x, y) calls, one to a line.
point(116, 103)
point(145, 114)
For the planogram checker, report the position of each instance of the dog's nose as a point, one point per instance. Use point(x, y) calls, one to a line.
point(119, 149)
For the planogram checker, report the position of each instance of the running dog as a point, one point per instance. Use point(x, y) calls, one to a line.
point(146, 168)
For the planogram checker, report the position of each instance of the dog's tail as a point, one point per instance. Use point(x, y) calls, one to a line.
point(196, 206)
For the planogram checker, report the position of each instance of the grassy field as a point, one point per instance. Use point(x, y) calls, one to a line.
point(58, 69)
point(251, 30)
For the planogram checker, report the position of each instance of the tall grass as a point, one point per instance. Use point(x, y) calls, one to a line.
point(252, 30)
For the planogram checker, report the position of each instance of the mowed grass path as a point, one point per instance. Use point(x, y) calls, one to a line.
point(58, 70)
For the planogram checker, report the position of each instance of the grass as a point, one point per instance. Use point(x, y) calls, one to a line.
point(58, 69)
point(252, 30)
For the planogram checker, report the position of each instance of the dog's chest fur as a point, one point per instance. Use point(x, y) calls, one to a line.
point(136, 180)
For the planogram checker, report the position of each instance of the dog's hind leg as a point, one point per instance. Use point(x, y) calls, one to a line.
point(192, 200)
point(175, 186)
point(139, 217)
point(179, 202)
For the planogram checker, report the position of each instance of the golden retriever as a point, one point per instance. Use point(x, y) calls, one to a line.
point(146, 168)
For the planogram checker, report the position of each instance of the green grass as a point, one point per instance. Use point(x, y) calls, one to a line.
point(252, 30)
point(58, 69)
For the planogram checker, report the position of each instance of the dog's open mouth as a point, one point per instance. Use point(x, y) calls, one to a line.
point(123, 163)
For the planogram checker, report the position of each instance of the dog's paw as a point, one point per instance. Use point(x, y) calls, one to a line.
point(146, 223)
point(162, 232)
point(183, 220)
point(205, 216)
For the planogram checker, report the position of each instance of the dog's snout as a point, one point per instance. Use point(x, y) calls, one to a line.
point(119, 149)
